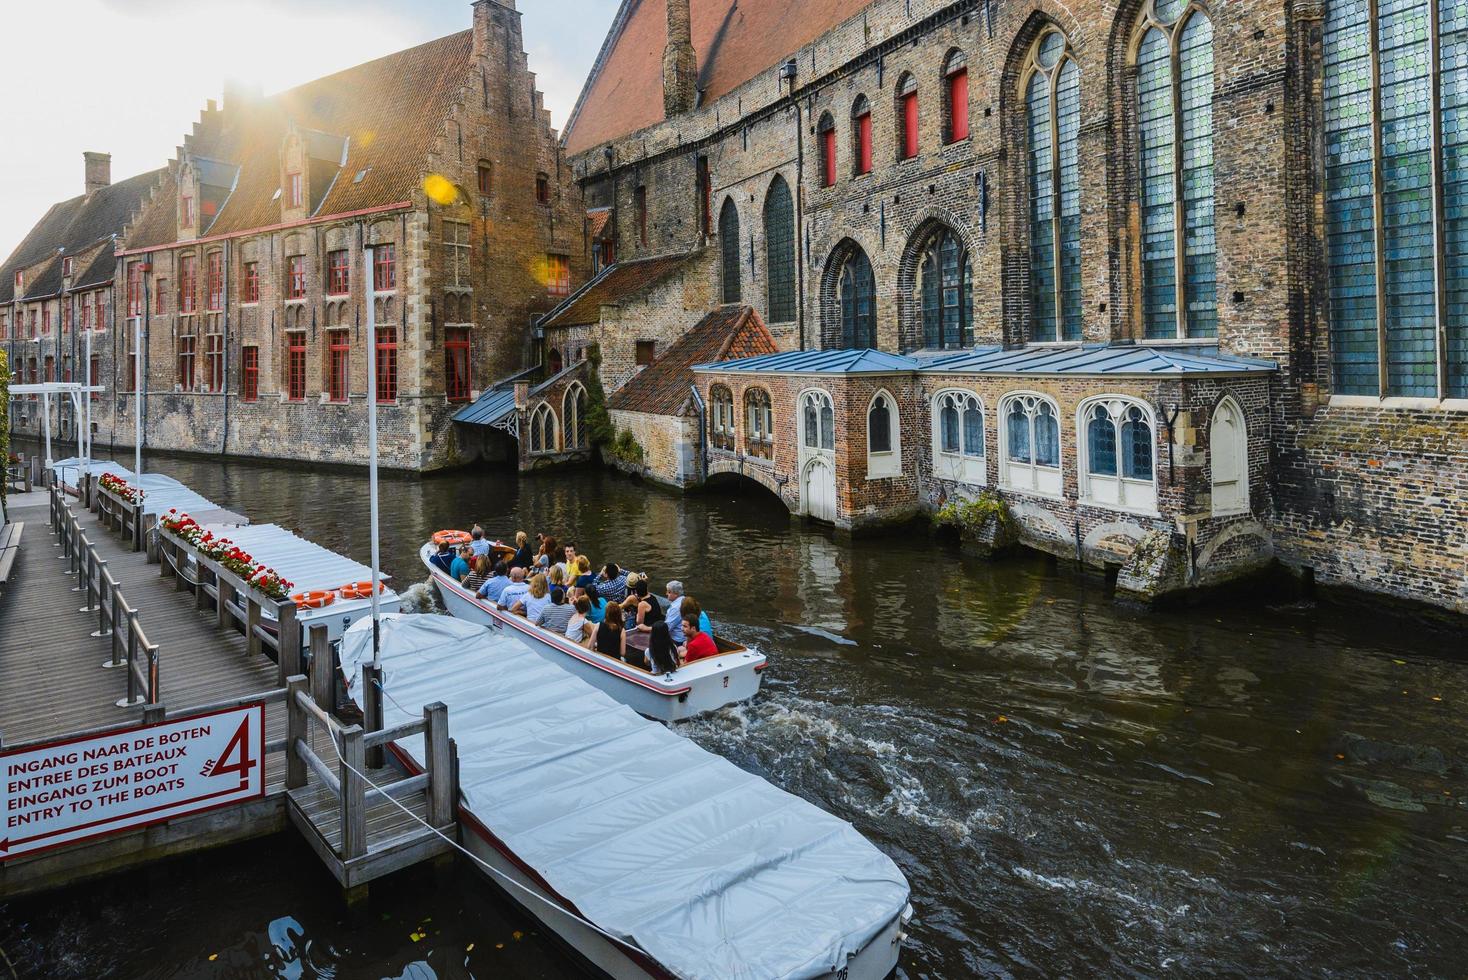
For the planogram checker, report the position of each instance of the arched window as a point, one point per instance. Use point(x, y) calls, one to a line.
point(958, 437)
point(542, 430)
point(1031, 457)
point(826, 131)
point(907, 117)
point(955, 97)
point(721, 417)
point(818, 421)
point(884, 437)
point(1053, 116)
point(1394, 177)
point(729, 249)
point(946, 292)
point(858, 291)
point(1174, 63)
point(1117, 453)
point(780, 251)
point(759, 424)
point(1228, 459)
point(573, 418)
point(861, 136)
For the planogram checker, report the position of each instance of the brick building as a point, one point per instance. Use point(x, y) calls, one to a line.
point(246, 266)
point(1188, 277)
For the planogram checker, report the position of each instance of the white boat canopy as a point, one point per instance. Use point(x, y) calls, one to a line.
point(308, 565)
point(711, 870)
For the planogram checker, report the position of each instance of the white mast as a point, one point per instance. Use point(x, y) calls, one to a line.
point(369, 253)
point(138, 381)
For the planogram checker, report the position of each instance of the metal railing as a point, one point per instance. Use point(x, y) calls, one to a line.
point(117, 620)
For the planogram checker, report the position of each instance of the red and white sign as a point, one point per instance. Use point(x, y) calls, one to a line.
point(71, 791)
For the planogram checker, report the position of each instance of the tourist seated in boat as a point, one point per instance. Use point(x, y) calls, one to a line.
point(548, 555)
point(700, 644)
point(479, 573)
point(522, 556)
point(579, 628)
point(538, 598)
point(674, 591)
point(640, 611)
point(611, 584)
point(662, 653)
point(478, 542)
point(556, 614)
point(444, 559)
point(512, 599)
point(610, 639)
point(584, 578)
point(598, 609)
point(568, 563)
point(460, 569)
point(495, 585)
point(557, 578)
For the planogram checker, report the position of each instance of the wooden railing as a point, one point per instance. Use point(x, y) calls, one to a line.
point(117, 514)
point(117, 621)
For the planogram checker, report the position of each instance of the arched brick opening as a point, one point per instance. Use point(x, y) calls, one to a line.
point(929, 224)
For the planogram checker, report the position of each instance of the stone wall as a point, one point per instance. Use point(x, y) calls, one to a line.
point(669, 446)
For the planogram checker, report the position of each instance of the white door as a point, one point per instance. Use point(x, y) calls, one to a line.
point(820, 490)
point(1227, 451)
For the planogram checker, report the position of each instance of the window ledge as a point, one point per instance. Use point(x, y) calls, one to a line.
point(1031, 492)
point(1174, 341)
point(1397, 401)
point(1119, 508)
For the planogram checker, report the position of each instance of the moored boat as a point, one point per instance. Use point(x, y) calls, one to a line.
point(645, 854)
point(699, 687)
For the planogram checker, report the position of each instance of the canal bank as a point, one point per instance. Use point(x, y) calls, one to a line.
point(1069, 787)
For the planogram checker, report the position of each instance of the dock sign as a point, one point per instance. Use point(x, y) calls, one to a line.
point(74, 790)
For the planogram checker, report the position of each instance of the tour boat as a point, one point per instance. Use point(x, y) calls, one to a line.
point(644, 854)
point(702, 686)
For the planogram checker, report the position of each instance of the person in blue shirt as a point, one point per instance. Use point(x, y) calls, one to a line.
point(460, 568)
point(598, 610)
point(444, 560)
point(673, 614)
point(494, 586)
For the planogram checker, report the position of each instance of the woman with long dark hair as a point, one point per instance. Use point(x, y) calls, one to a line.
point(660, 649)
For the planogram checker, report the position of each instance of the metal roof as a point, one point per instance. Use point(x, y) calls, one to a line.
point(491, 407)
point(304, 563)
point(1078, 359)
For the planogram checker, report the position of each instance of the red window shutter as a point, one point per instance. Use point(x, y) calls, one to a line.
point(864, 144)
point(828, 152)
point(958, 105)
point(909, 126)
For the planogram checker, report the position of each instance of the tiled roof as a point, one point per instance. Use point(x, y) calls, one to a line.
point(73, 227)
point(597, 221)
point(1082, 359)
point(488, 408)
point(389, 110)
point(662, 387)
point(614, 284)
point(734, 40)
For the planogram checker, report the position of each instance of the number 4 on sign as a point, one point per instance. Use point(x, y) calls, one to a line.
point(239, 748)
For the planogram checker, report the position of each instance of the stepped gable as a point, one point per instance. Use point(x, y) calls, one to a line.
point(734, 41)
point(727, 333)
point(614, 284)
point(73, 227)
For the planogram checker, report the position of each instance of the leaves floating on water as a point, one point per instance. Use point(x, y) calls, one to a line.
point(517, 934)
point(1001, 719)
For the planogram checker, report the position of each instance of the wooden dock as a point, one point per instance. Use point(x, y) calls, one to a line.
point(96, 636)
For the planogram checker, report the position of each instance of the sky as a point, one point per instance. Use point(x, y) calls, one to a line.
point(129, 77)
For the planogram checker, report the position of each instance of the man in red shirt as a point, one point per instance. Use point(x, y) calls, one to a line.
point(699, 645)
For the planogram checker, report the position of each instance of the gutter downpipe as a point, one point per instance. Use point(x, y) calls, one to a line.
point(224, 354)
point(800, 252)
point(703, 448)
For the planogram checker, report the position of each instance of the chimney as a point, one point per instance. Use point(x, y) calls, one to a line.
point(99, 171)
point(680, 62)
point(485, 18)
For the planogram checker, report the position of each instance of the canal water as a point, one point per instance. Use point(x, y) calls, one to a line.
point(1256, 786)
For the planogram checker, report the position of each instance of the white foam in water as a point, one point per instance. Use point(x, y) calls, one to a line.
point(419, 598)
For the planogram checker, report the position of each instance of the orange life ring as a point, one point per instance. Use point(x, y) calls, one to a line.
point(360, 590)
point(454, 538)
point(313, 600)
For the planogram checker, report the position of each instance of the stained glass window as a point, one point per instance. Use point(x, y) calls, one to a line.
point(729, 247)
point(973, 428)
point(858, 298)
point(946, 282)
point(1052, 101)
point(1101, 442)
point(780, 251)
point(879, 426)
point(948, 424)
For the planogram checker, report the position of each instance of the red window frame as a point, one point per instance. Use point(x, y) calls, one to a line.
point(50, 374)
point(387, 364)
point(384, 268)
point(134, 288)
point(188, 282)
point(214, 280)
point(66, 266)
point(864, 143)
point(338, 362)
point(94, 374)
point(542, 189)
point(909, 126)
point(293, 184)
point(66, 369)
point(250, 373)
point(46, 323)
point(958, 105)
point(186, 352)
point(4, 326)
point(214, 362)
point(295, 365)
point(188, 210)
point(458, 365)
point(101, 314)
point(486, 178)
point(557, 275)
point(33, 374)
point(705, 197)
point(295, 277)
point(828, 157)
point(338, 272)
point(250, 283)
point(160, 296)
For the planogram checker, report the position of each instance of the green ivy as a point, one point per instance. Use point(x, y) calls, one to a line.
point(973, 515)
point(598, 420)
point(626, 448)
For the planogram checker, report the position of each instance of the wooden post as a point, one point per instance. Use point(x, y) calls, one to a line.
point(137, 527)
point(372, 708)
point(252, 623)
point(154, 713)
point(288, 649)
point(166, 555)
point(201, 595)
point(103, 627)
point(440, 764)
point(179, 582)
point(353, 801)
point(322, 669)
point(221, 607)
point(295, 730)
point(150, 543)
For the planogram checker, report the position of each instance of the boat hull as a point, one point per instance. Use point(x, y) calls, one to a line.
point(694, 690)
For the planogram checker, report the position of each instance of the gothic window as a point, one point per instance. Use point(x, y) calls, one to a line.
point(1174, 63)
point(818, 421)
point(573, 417)
point(861, 136)
point(1053, 116)
point(958, 437)
point(945, 292)
point(1228, 459)
point(456, 254)
point(858, 291)
point(907, 117)
point(542, 430)
point(1116, 440)
point(759, 424)
point(884, 437)
point(729, 249)
point(1031, 446)
point(721, 417)
point(1397, 246)
point(780, 251)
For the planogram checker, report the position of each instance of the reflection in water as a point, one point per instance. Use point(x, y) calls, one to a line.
point(1070, 788)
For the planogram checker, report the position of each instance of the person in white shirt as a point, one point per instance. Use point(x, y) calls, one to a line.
point(516, 592)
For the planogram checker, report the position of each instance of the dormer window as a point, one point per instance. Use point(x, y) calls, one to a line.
point(19, 279)
point(294, 195)
point(66, 266)
point(186, 210)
